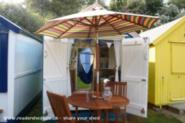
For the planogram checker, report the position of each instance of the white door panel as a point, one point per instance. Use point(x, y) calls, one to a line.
point(55, 71)
point(135, 73)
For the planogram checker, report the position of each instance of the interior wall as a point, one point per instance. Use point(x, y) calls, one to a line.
point(151, 79)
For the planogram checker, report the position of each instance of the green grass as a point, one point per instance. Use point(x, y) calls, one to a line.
point(36, 111)
point(153, 117)
point(81, 85)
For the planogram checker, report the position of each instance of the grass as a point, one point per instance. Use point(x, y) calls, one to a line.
point(153, 117)
point(36, 111)
point(82, 85)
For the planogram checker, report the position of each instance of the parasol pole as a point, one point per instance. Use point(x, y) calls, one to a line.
point(97, 62)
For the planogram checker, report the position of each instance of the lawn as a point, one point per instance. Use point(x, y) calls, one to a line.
point(153, 117)
point(81, 85)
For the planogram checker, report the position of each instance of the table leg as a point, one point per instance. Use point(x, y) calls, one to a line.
point(99, 115)
point(116, 113)
point(124, 115)
point(76, 111)
point(106, 116)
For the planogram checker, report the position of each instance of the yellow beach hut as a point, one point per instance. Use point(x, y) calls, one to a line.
point(167, 63)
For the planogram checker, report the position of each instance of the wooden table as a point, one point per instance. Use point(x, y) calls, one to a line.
point(84, 101)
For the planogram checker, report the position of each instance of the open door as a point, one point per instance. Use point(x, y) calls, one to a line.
point(55, 71)
point(135, 73)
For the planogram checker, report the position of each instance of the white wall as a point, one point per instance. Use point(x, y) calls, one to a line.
point(3, 105)
point(6, 102)
point(28, 71)
point(56, 77)
point(24, 74)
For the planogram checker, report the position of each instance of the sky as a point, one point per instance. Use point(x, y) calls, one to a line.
point(107, 2)
point(12, 1)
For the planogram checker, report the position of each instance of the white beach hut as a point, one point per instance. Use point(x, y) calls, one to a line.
point(130, 54)
point(20, 69)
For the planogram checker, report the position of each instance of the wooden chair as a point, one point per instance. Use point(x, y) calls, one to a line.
point(60, 108)
point(118, 89)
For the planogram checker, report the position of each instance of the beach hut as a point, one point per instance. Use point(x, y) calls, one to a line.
point(60, 74)
point(167, 63)
point(20, 69)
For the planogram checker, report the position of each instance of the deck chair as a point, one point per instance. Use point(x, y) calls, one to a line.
point(118, 89)
point(60, 108)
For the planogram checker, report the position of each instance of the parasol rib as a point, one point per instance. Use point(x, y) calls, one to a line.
point(69, 29)
point(117, 30)
point(89, 33)
point(88, 20)
point(80, 21)
point(100, 17)
point(52, 25)
point(105, 22)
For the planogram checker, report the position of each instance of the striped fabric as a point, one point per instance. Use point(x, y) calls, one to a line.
point(94, 22)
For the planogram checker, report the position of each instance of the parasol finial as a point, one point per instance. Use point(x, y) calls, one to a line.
point(95, 6)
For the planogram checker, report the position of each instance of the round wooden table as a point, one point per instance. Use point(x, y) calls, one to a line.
point(85, 100)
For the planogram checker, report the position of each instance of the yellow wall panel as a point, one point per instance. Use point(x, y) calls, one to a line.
point(178, 57)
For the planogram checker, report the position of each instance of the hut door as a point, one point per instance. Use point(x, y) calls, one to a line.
point(84, 69)
point(3, 62)
point(135, 73)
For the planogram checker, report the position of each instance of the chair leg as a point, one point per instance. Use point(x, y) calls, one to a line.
point(92, 115)
point(124, 115)
point(116, 113)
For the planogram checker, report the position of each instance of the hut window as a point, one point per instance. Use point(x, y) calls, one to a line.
point(3, 61)
point(178, 57)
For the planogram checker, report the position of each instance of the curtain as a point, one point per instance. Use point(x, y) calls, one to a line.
point(111, 59)
point(117, 48)
point(69, 52)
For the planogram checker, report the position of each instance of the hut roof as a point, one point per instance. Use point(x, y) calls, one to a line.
point(154, 34)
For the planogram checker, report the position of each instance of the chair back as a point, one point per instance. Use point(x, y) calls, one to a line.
point(60, 107)
point(118, 88)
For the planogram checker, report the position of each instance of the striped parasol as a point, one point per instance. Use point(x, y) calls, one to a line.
point(95, 21)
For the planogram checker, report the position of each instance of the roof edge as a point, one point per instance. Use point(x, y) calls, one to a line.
point(26, 33)
point(170, 30)
point(17, 29)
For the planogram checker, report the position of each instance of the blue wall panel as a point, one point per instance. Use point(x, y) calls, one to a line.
point(3, 61)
